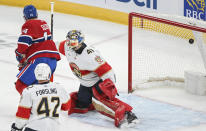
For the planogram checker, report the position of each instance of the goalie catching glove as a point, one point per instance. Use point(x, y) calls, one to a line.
point(108, 88)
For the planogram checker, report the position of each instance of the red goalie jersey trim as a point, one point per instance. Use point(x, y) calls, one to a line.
point(103, 69)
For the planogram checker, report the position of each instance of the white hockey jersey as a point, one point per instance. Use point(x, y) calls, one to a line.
point(40, 105)
point(88, 65)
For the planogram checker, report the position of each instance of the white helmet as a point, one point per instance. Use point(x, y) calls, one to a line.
point(42, 72)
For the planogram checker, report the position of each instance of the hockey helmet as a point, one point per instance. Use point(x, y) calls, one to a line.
point(42, 72)
point(74, 38)
point(30, 12)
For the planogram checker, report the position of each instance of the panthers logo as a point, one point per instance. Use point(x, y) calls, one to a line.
point(99, 59)
point(75, 70)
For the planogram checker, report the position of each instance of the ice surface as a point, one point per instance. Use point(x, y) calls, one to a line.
point(111, 40)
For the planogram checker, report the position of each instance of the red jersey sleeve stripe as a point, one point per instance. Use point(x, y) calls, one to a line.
point(104, 68)
point(85, 72)
point(61, 47)
point(65, 106)
point(23, 112)
point(23, 43)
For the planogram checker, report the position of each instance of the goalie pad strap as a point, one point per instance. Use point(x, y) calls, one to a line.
point(78, 110)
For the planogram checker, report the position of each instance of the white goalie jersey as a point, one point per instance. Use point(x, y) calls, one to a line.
point(40, 105)
point(88, 64)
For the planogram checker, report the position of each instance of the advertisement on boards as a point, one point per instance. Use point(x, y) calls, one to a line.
point(195, 9)
point(147, 3)
point(121, 5)
point(173, 7)
point(133, 5)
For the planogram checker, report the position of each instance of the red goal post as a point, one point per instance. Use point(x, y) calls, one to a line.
point(139, 22)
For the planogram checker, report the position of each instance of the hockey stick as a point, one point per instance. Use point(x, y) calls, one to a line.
point(52, 15)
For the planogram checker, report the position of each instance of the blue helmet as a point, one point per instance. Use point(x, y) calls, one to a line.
point(30, 12)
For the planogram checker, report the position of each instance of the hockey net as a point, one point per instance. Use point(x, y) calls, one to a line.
point(160, 51)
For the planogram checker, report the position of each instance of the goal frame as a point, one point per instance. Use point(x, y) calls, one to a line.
point(156, 19)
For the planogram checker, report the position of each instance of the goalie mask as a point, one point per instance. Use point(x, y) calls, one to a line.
point(74, 38)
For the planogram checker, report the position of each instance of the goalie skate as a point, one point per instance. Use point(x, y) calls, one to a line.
point(130, 120)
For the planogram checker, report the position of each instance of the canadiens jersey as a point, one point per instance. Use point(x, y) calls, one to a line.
point(35, 41)
point(40, 106)
point(89, 66)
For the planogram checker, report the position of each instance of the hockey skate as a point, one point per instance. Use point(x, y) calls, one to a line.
point(130, 120)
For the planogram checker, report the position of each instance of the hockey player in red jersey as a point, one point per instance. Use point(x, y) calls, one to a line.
point(40, 104)
point(96, 81)
point(35, 46)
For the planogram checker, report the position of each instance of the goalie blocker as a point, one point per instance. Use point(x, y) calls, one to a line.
point(104, 101)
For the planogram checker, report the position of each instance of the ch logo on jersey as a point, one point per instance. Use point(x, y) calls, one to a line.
point(25, 31)
point(75, 70)
point(45, 27)
point(98, 59)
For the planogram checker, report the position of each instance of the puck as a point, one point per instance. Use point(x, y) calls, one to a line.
point(191, 41)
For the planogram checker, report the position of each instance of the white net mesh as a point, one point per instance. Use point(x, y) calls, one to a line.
point(162, 52)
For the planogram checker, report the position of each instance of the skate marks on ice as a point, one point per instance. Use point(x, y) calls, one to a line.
point(153, 115)
point(7, 40)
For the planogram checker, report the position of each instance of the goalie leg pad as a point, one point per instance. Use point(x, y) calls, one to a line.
point(119, 115)
point(112, 104)
point(73, 108)
point(108, 88)
point(101, 108)
point(120, 112)
point(127, 106)
point(116, 106)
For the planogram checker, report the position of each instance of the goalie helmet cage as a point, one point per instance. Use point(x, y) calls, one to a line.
point(142, 18)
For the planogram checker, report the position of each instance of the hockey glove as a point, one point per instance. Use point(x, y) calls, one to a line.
point(20, 57)
point(14, 128)
point(21, 65)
